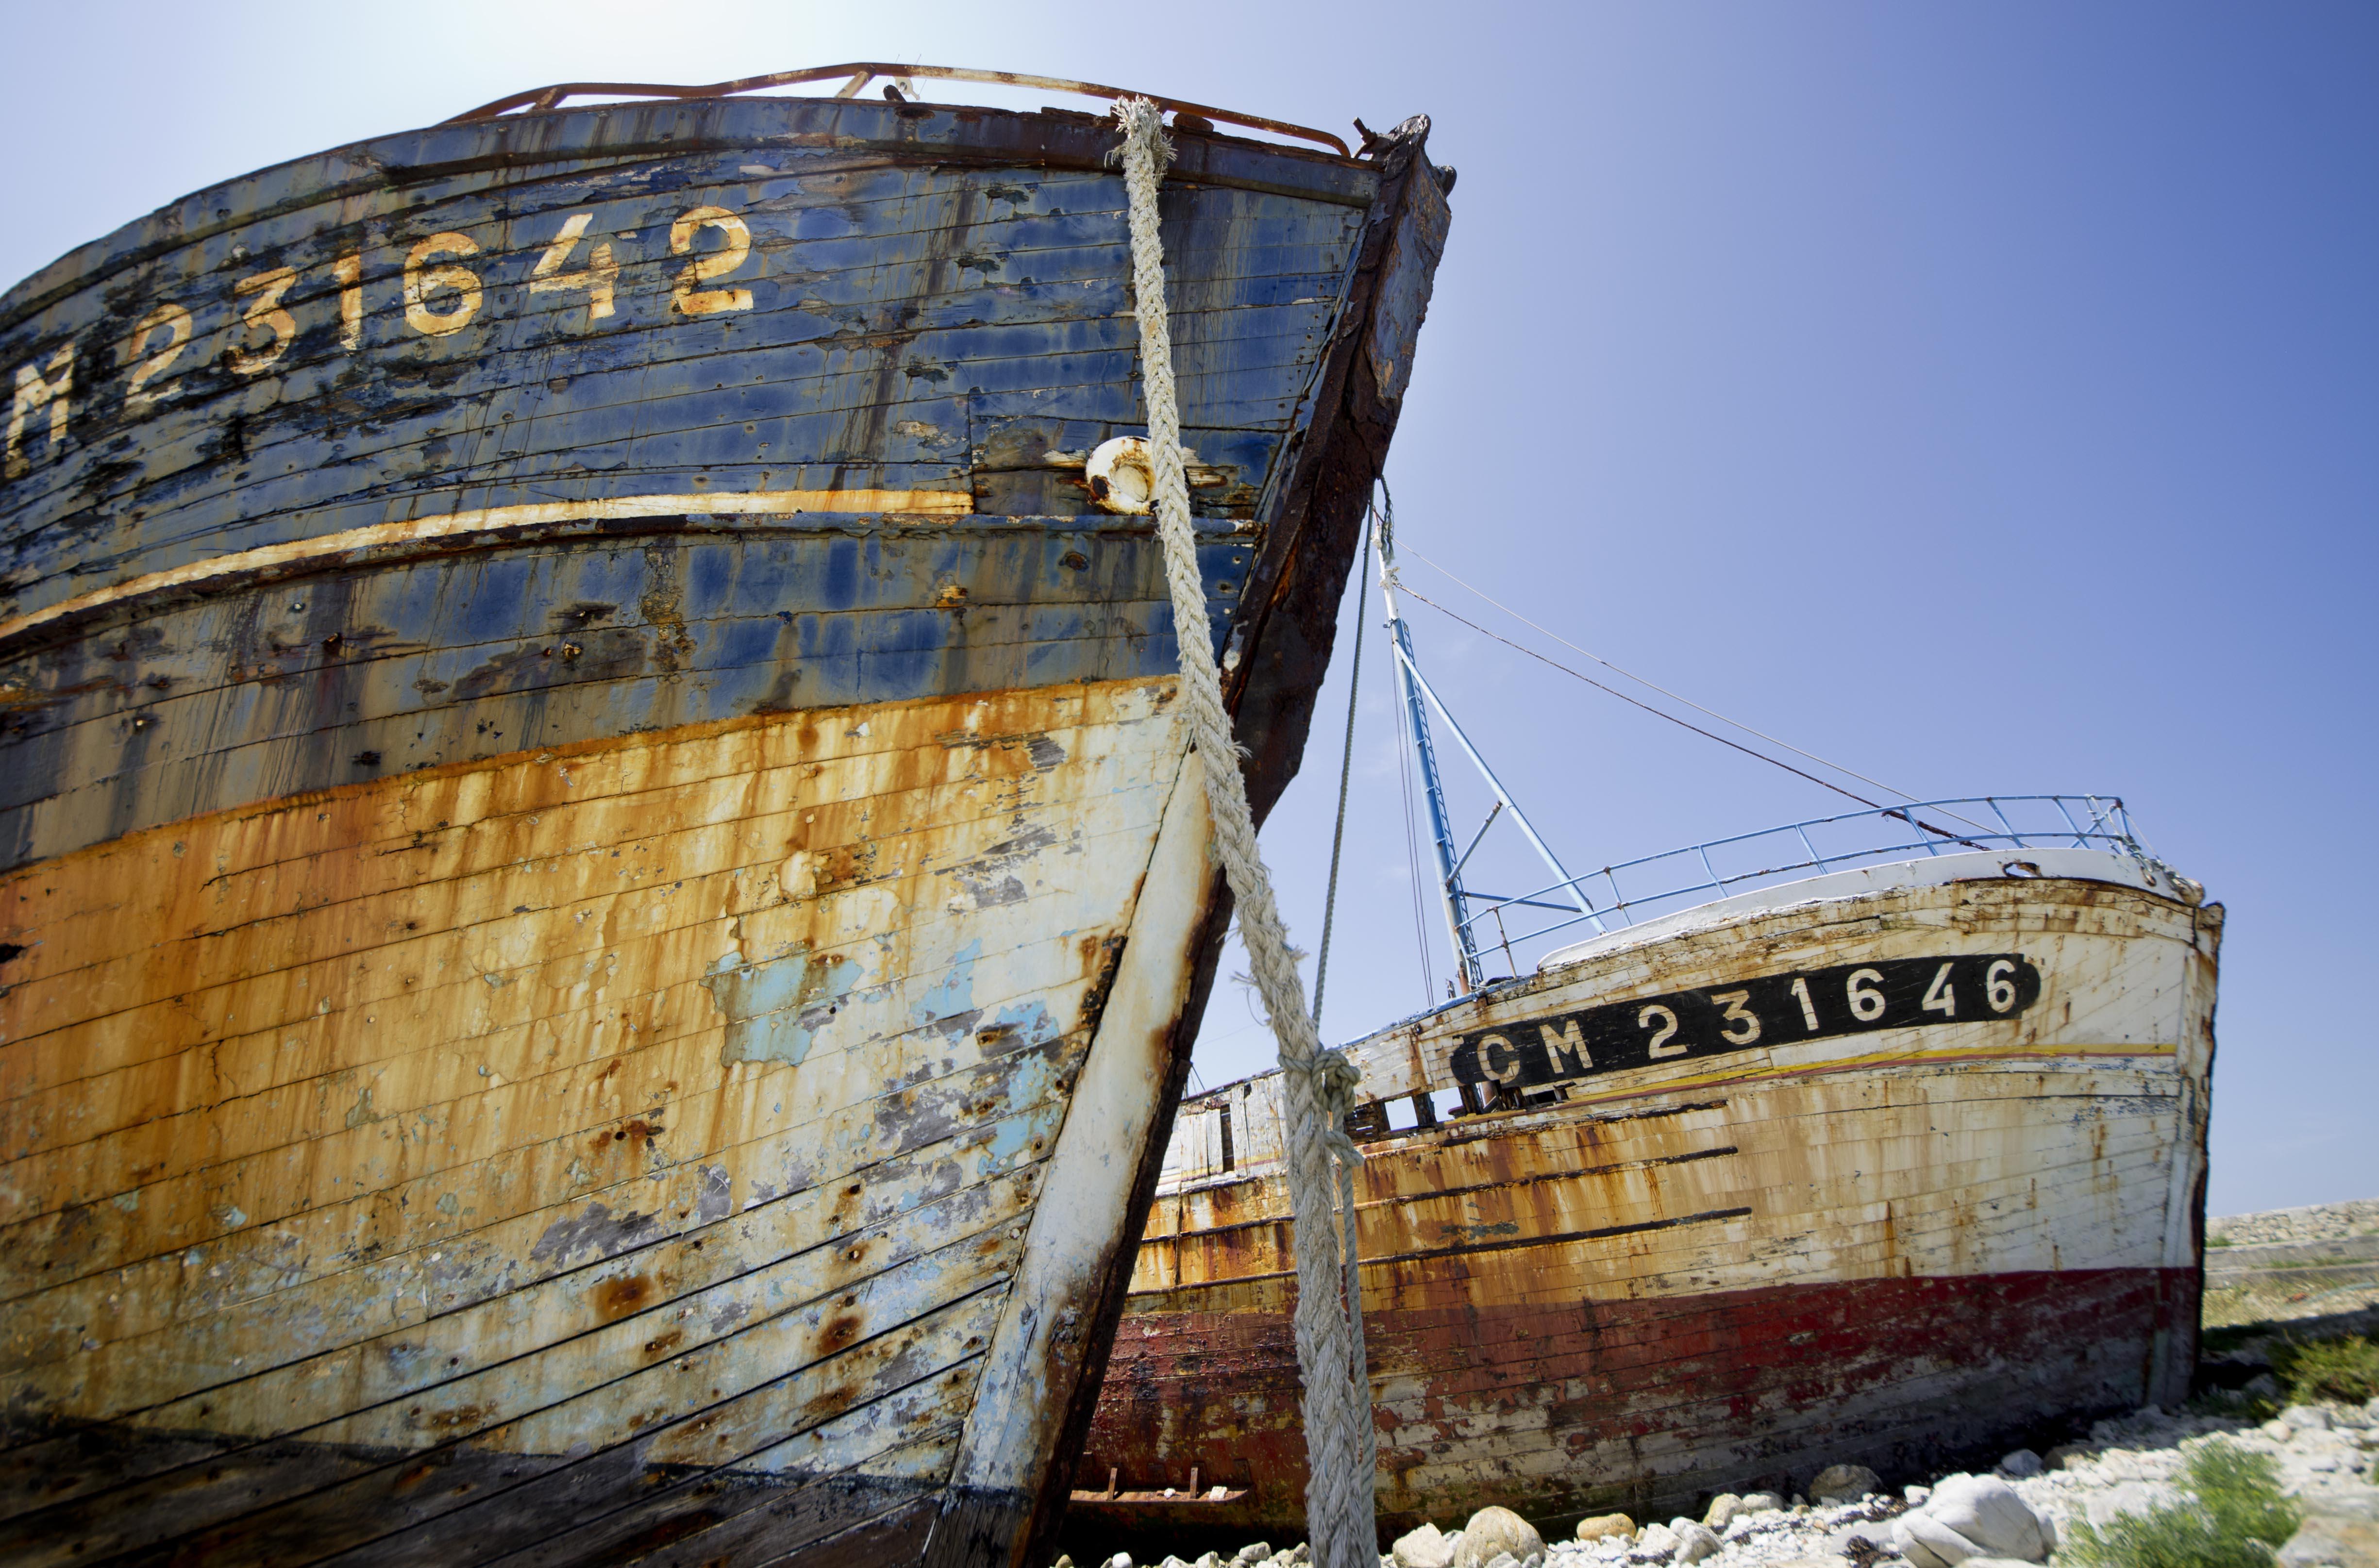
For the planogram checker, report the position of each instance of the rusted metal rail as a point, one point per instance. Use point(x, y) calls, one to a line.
point(1687, 877)
point(537, 99)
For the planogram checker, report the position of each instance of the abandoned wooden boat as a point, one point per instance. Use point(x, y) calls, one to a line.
point(1876, 1139)
point(597, 877)
point(1883, 1166)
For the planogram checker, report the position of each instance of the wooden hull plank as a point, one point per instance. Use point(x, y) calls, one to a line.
point(791, 408)
point(270, 700)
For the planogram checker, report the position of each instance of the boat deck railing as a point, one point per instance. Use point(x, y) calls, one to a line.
point(538, 100)
point(1623, 895)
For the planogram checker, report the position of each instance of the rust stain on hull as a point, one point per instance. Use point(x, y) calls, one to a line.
point(416, 1125)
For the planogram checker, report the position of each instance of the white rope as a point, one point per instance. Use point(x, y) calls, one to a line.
point(1340, 1443)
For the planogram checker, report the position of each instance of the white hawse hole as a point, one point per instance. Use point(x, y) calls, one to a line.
point(1120, 476)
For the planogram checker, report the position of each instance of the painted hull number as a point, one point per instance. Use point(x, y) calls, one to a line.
point(444, 291)
point(1775, 1009)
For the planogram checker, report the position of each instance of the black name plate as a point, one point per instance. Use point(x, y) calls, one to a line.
point(1774, 1009)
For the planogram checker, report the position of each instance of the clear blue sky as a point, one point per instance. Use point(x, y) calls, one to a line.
point(1985, 397)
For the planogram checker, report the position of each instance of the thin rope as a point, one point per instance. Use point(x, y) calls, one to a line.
point(1412, 877)
point(1318, 1084)
point(1386, 532)
point(1345, 774)
point(1688, 724)
point(1673, 696)
point(1661, 687)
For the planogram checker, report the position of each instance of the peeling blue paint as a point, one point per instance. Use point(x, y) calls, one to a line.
point(776, 1007)
point(1016, 1026)
point(954, 993)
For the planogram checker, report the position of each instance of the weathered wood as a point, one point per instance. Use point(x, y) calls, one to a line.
point(596, 891)
point(756, 395)
point(940, 842)
point(377, 674)
point(1721, 1272)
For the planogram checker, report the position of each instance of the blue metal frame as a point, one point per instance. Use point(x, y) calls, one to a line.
point(1418, 698)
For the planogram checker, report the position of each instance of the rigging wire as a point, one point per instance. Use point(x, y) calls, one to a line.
point(1688, 724)
point(1673, 696)
point(1345, 774)
point(1386, 536)
point(1412, 877)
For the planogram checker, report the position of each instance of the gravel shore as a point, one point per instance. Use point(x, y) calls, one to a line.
point(2290, 1265)
point(2318, 1222)
point(2326, 1454)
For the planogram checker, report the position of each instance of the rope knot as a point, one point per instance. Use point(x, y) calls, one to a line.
point(1332, 1079)
point(1143, 121)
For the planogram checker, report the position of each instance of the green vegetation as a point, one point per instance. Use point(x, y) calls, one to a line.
point(2265, 1300)
point(2345, 1368)
point(2217, 1241)
point(2233, 1520)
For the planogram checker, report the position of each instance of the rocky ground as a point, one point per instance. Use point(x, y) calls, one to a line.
point(2326, 1455)
point(2292, 1264)
point(2319, 1222)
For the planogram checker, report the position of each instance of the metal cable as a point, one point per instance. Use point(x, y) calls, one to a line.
point(1412, 877)
point(1345, 774)
point(1688, 724)
point(1673, 696)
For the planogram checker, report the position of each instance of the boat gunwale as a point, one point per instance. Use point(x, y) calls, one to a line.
point(538, 100)
point(376, 168)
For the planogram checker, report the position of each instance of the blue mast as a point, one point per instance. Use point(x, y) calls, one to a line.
point(1418, 697)
point(1449, 871)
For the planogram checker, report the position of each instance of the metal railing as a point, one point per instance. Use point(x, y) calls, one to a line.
point(1619, 896)
point(538, 100)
